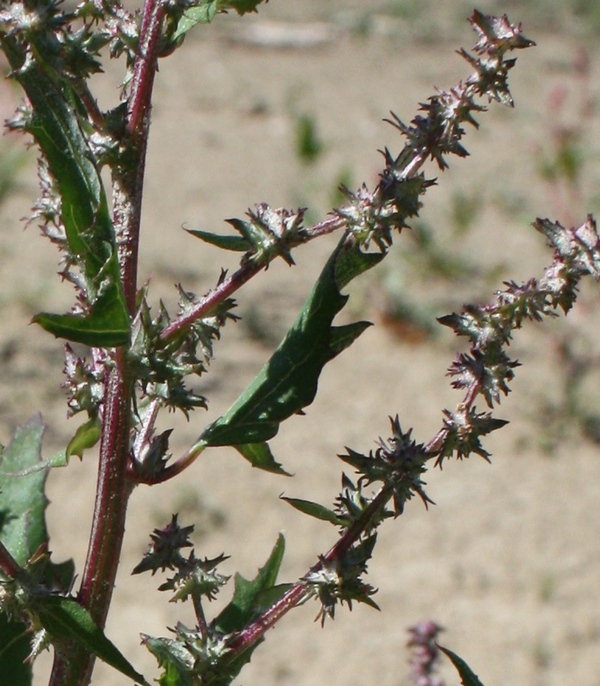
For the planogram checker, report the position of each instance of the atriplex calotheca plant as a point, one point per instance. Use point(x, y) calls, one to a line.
point(139, 361)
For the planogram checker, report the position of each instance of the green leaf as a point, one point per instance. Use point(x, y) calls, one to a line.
point(56, 127)
point(173, 659)
point(23, 531)
point(86, 436)
point(14, 650)
point(467, 676)
point(106, 326)
point(22, 498)
point(288, 382)
point(260, 455)
point(235, 243)
point(205, 12)
point(245, 605)
point(196, 15)
point(314, 510)
point(65, 620)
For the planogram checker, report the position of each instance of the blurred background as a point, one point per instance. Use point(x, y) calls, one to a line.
point(283, 107)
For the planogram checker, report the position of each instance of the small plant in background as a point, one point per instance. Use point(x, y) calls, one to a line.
point(566, 160)
point(428, 261)
point(566, 152)
point(141, 357)
point(424, 654)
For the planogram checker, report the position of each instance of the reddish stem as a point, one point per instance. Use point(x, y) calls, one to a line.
point(247, 271)
point(213, 298)
point(8, 564)
point(174, 469)
point(73, 665)
point(300, 591)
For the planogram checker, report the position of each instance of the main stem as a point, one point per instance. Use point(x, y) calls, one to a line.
point(73, 665)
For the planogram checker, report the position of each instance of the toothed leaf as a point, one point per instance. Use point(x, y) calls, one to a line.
point(288, 382)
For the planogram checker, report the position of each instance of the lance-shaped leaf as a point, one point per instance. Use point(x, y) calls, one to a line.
point(288, 382)
point(314, 510)
point(65, 620)
point(55, 125)
point(106, 325)
point(235, 243)
point(467, 676)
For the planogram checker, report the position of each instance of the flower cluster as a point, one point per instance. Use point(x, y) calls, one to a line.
point(160, 366)
point(487, 369)
point(338, 579)
point(398, 463)
point(424, 653)
point(434, 134)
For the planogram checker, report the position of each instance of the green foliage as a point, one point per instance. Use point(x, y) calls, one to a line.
point(201, 657)
point(204, 11)
point(22, 499)
point(467, 676)
point(246, 599)
point(288, 382)
point(23, 532)
point(55, 123)
point(65, 620)
point(139, 363)
point(309, 145)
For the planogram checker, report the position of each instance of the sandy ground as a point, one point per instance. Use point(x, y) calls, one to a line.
point(508, 558)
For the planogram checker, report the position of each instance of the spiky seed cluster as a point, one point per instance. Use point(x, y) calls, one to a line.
point(338, 581)
point(84, 382)
point(487, 369)
point(351, 504)
point(194, 578)
point(435, 134)
point(196, 652)
point(462, 432)
point(398, 463)
point(165, 548)
point(270, 233)
point(372, 216)
point(160, 366)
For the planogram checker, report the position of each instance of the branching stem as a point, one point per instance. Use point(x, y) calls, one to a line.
point(301, 591)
